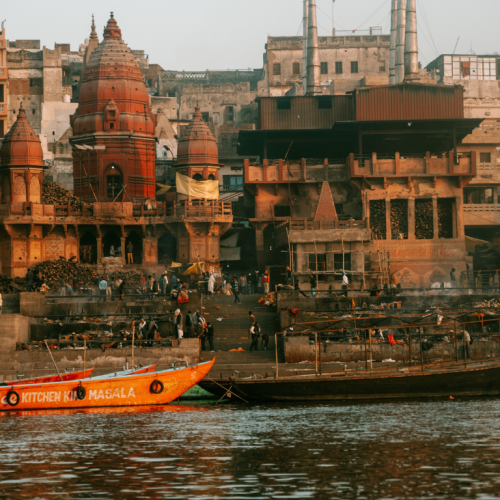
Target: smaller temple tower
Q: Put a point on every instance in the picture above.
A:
(201, 221)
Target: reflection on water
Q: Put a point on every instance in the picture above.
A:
(431, 449)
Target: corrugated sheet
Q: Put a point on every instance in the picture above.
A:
(304, 112)
(409, 102)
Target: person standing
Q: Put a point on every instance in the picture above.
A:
(312, 281)
(265, 281)
(121, 290)
(288, 276)
(189, 325)
(163, 284)
(173, 282)
(29, 278)
(178, 323)
(453, 278)
(62, 287)
(345, 282)
(130, 253)
(236, 290)
(203, 336)
(251, 319)
(243, 284)
(265, 337)
(141, 331)
(210, 336)
(256, 282)
(254, 335)
(466, 345)
(211, 283)
(103, 285)
(250, 285)
(152, 328)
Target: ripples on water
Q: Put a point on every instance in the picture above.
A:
(435, 449)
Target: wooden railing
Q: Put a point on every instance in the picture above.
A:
(29, 209)
(203, 209)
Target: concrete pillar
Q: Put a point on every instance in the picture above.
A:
(460, 227)
(99, 250)
(435, 217)
(388, 228)
(411, 218)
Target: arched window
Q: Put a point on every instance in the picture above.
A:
(197, 177)
(114, 181)
(211, 177)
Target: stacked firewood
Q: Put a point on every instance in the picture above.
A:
(377, 219)
(445, 218)
(13, 285)
(399, 218)
(424, 220)
(54, 194)
(56, 269)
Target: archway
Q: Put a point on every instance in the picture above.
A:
(197, 177)
(113, 179)
(136, 242)
(111, 239)
(167, 248)
(88, 248)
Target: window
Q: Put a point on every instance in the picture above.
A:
(33, 111)
(232, 182)
(324, 68)
(354, 67)
(338, 68)
(111, 126)
(324, 102)
(296, 68)
(276, 69)
(342, 262)
(317, 262)
(205, 115)
(284, 103)
(382, 66)
(1, 107)
(1, 71)
(36, 82)
(2, 93)
(229, 114)
(171, 94)
(114, 185)
(485, 157)
(282, 211)
(498, 69)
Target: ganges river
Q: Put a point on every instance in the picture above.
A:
(425, 449)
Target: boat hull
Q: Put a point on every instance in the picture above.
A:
(476, 380)
(130, 390)
(67, 376)
(218, 389)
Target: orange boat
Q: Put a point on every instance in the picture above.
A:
(51, 378)
(157, 388)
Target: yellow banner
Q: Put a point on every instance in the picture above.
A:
(207, 190)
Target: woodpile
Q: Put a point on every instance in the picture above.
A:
(399, 219)
(424, 221)
(445, 218)
(131, 277)
(54, 194)
(377, 219)
(53, 270)
(13, 285)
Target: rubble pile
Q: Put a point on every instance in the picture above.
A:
(424, 220)
(53, 270)
(377, 219)
(54, 194)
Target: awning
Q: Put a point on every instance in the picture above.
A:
(230, 242)
(207, 190)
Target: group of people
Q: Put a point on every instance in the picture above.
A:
(243, 284)
(194, 326)
(255, 332)
(36, 281)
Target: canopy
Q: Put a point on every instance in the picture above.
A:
(207, 190)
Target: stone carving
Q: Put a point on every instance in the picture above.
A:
(19, 185)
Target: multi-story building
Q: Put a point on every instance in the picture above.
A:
(4, 75)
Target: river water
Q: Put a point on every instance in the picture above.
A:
(425, 449)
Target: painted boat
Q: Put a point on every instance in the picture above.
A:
(154, 388)
(67, 376)
(444, 380)
(124, 373)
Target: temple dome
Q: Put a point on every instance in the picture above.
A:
(21, 146)
(112, 74)
(197, 145)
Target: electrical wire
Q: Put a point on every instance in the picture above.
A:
(330, 17)
(366, 20)
(422, 9)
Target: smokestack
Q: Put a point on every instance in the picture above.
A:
(411, 43)
(392, 54)
(304, 47)
(400, 41)
(313, 67)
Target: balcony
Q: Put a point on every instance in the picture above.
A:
(428, 165)
(481, 214)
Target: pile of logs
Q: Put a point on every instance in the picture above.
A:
(424, 220)
(131, 277)
(399, 218)
(53, 270)
(13, 285)
(445, 218)
(54, 194)
(377, 219)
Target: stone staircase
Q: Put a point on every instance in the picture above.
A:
(232, 333)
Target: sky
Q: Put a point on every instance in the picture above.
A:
(231, 34)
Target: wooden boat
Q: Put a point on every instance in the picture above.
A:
(446, 379)
(124, 373)
(153, 388)
(214, 387)
(67, 376)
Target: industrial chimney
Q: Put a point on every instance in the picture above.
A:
(313, 67)
(392, 54)
(400, 41)
(411, 43)
(304, 47)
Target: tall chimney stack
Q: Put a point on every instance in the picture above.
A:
(411, 42)
(400, 41)
(392, 54)
(304, 47)
(313, 67)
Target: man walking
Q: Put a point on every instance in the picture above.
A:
(236, 290)
(103, 285)
(312, 281)
(251, 319)
(130, 253)
(254, 335)
(250, 285)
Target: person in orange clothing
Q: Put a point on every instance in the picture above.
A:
(265, 282)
